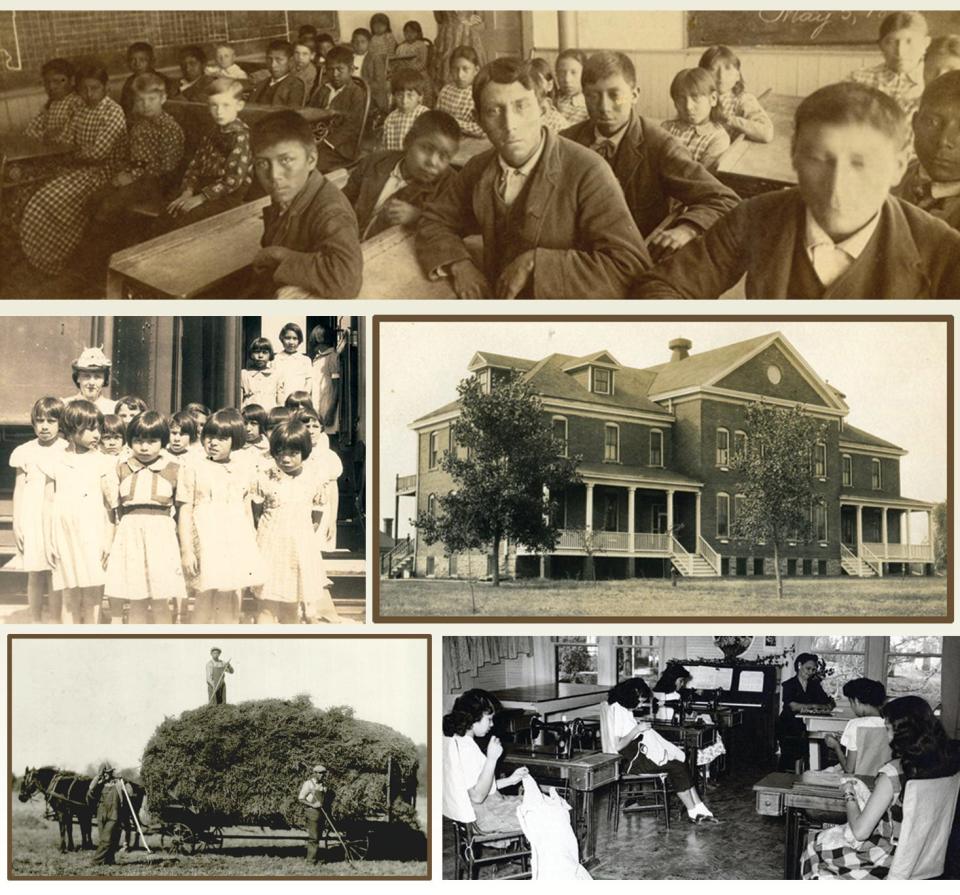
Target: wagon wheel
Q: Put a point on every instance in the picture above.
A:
(359, 846)
(183, 840)
(213, 839)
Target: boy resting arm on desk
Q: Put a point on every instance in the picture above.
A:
(310, 239)
(839, 234)
(337, 105)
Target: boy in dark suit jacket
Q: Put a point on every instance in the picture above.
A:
(391, 188)
(839, 234)
(652, 166)
(552, 215)
(932, 181)
(338, 105)
(283, 87)
(311, 248)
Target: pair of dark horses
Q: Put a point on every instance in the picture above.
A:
(69, 795)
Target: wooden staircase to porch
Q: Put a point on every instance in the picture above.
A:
(856, 566)
(705, 563)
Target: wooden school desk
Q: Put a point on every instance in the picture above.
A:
(17, 149)
(753, 168)
(551, 699)
(819, 725)
(786, 794)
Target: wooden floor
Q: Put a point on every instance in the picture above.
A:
(744, 846)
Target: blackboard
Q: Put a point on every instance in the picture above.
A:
(29, 38)
(799, 27)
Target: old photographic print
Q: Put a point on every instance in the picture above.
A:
(638, 468)
(192, 470)
(360, 154)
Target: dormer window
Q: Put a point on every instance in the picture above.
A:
(602, 380)
(483, 377)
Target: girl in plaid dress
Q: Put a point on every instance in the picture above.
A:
(56, 216)
(863, 847)
(570, 99)
(740, 112)
(51, 123)
(456, 97)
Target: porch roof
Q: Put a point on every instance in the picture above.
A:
(616, 473)
(853, 435)
(896, 503)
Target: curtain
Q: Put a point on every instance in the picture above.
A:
(463, 654)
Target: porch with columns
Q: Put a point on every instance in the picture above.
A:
(870, 543)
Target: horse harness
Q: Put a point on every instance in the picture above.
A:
(65, 787)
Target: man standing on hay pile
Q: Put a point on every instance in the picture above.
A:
(311, 796)
(107, 789)
(217, 672)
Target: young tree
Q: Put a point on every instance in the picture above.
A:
(776, 478)
(505, 465)
(940, 536)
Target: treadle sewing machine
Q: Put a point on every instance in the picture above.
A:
(563, 734)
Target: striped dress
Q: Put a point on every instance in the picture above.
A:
(836, 854)
(57, 214)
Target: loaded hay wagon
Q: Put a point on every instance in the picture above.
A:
(220, 767)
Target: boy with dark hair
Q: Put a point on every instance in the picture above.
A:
(904, 38)
(839, 234)
(943, 55)
(932, 181)
(283, 87)
(552, 215)
(311, 247)
(194, 83)
(140, 61)
(338, 105)
(652, 166)
(407, 87)
(391, 188)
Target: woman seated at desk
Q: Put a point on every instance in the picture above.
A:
(466, 768)
(643, 751)
(801, 693)
(864, 846)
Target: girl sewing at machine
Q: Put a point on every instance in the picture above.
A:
(672, 686)
(465, 762)
(643, 751)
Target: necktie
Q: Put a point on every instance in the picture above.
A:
(829, 262)
(607, 150)
(511, 182)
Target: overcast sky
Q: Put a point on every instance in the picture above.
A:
(893, 374)
(82, 701)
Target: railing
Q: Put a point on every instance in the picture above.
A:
(681, 558)
(847, 554)
(617, 541)
(709, 554)
(871, 559)
(649, 541)
(397, 554)
(571, 539)
(901, 552)
(611, 540)
(406, 484)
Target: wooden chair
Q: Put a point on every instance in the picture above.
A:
(633, 792)
(928, 810)
(873, 750)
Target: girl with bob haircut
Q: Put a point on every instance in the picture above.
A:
(145, 566)
(184, 445)
(864, 846)
(293, 368)
(112, 436)
(866, 699)
(255, 425)
(259, 380)
(218, 543)
(77, 529)
(467, 767)
(291, 499)
(29, 460)
(643, 751)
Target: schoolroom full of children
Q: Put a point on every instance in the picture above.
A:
(701, 757)
(480, 155)
(182, 470)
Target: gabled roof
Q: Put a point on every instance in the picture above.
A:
(705, 367)
(489, 359)
(854, 435)
(600, 358)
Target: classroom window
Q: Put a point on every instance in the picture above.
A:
(656, 447)
(638, 657)
(845, 655)
(560, 433)
(819, 521)
(434, 453)
(913, 667)
(723, 447)
(611, 443)
(723, 515)
(847, 470)
(739, 445)
(576, 660)
(602, 381)
(820, 460)
(876, 474)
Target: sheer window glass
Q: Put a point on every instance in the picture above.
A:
(576, 660)
(638, 657)
(913, 667)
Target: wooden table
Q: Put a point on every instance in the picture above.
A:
(785, 794)
(551, 699)
(691, 737)
(587, 777)
(753, 168)
(818, 726)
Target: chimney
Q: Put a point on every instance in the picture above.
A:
(679, 349)
(387, 526)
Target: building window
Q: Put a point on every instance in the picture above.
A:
(434, 454)
(723, 447)
(819, 521)
(847, 471)
(913, 667)
(638, 657)
(876, 476)
(723, 515)
(739, 445)
(602, 381)
(560, 433)
(483, 377)
(611, 513)
(845, 655)
(576, 660)
(656, 447)
(432, 506)
(431, 565)
(820, 460)
(611, 443)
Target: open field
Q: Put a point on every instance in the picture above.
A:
(36, 853)
(701, 598)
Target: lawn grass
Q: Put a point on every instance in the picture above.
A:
(700, 598)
